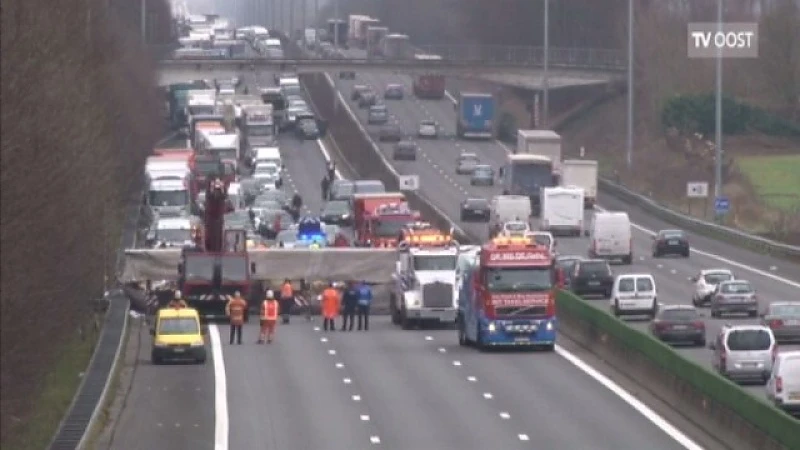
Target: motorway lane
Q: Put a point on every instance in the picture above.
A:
(289, 395)
(671, 274)
(418, 388)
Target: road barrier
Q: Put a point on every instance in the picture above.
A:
(712, 230)
(691, 388)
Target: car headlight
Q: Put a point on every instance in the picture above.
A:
(345, 216)
(492, 327)
(549, 326)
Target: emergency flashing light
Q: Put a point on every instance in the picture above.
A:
(507, 241)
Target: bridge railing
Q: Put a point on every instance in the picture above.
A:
(589, 58)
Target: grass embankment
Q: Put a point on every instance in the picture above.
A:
(775, 178)
(58, 389)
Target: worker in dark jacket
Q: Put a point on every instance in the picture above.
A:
(349, 305)
(324, 185)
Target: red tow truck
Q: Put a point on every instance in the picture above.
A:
(380, 217)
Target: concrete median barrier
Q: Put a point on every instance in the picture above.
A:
(704, 397)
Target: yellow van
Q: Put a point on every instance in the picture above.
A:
(178, 335)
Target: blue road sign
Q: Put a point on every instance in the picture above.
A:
(722, 205)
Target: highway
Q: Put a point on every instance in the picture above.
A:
(774, 279)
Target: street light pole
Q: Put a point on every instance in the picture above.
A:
(718, 118)
(336, 27)
(143, 18)
(629, 153)
(546, 75)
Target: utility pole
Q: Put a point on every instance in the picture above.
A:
(546, 75)
(143, 18)
(718, 118)
(629, 152)
(336, 27)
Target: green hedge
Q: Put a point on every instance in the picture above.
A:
(772, 421)
(696, 113)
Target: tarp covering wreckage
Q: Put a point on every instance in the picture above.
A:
(370, 265)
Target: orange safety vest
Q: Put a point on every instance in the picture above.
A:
(236, 309)
(330, 303)
(287, 290)
(269, 310)
(178, 304)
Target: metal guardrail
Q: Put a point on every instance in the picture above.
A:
(728, 234)
(589, 58)
(76, 427)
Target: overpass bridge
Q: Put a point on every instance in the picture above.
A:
(576, 65)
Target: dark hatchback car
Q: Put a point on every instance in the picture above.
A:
(567, 265)
(393, 92)
(592, 277)
(337, 212)
(670, 242)
(679, 324)
(367, 99)
(390, 133)
(475, 209)
(783, 318)
(405, 150)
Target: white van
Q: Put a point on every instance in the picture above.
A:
(267, 155)
(562, 210)
(634, 294)
(610, 236)
(507, 208)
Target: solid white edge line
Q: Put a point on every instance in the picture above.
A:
(628, 398)
(649, 232)
(221, 429)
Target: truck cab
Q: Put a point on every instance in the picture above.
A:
(508, 298)
(258, 125)
(380, 217)
(426, 285)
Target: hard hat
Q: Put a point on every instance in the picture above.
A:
(270, 294)
(237, 294)
(178, 295)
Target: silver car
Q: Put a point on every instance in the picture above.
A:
(783, 318)
(482, 175)
(744, 352)
(428, 129)
(732, 297)
(466, 163)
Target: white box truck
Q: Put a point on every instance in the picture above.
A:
(541, 142)
(562, 211)
(581, 173)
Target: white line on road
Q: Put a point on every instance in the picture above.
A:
(221, 429)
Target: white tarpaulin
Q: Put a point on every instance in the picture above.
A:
(371, 265)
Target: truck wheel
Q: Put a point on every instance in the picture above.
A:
(462, 333)
(404, 322)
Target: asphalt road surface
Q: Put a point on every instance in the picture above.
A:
(773, 278)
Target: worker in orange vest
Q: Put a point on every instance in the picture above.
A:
(236, 310)
(269, 317)
(178, 302)
(287, 299)
(330, 307)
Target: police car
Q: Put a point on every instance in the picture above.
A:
(311, 232)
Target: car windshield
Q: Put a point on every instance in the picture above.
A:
(169, 198)
(259, 130)
(716, 277)
(435, 262)
(369, 187)
(206, 167)
(177, 235)
(234, 269)
(482, 171)
(336, 207)
(749, 340)
(785, 310)
(519, 279)
(389, 227)
(477, 203)
(199, 268)
(542, 239)
(171, 326)
(269, 170)
(598, 268)
(736, 288)
(679, 315)
(468, 159)
(516, 226)
(672, 234)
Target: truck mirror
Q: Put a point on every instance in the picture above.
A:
(253, 268)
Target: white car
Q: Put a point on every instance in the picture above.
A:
(428, 129)
(705, 283)
(515, 228)
(544, 238)
(634, 294)
(783, 386)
